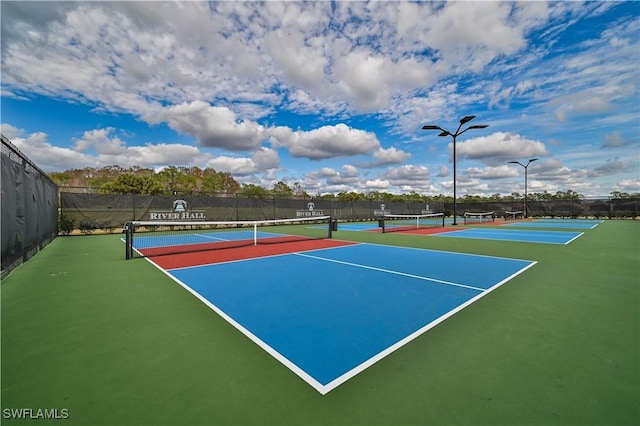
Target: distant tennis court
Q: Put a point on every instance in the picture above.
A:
(557, 223)
(526, 236)
(328, 314)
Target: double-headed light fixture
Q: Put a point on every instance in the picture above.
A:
(458, 132)
(526, 207)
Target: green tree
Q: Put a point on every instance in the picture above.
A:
(126, 183)
(250, 190)
(213, 181)
(130, 183)
(281, 189)
(350, 196)
(61, 178)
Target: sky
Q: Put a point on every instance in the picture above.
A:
(332, 96)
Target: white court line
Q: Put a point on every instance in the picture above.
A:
(255, 339)
(324, 389)
(357, 265)
(211, 238)
(552, 235)
(577, 236)
(504, 234)
(368, 363)
(249, 259)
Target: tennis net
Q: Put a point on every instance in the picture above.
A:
(485, 217)
(513, 215)
(156, 238)
(406, 222)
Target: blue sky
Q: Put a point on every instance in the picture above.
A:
(332, 95)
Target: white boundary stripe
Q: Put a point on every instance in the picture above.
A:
(324, 389)
(388, 271)
(505, 232)
(209, 237)
(277, 355)
(368, 363)
(557, 223)
(522, 233)
(576, 237)
(264, 257)
(432, 250)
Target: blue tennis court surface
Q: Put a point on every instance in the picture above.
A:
(558, 223)
(527, 236)
(329, 314)
(363, 226)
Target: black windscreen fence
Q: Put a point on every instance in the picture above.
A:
(90, 211)
(29, 207)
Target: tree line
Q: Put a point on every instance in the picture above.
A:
(180, 180)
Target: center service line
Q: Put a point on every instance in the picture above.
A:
(392, 272)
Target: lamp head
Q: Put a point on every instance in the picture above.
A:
(479, 126)
(430, 127)
(444, 133)
(467, 119)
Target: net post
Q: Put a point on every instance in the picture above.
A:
(128, 239)
(255, 234)
(443, 220)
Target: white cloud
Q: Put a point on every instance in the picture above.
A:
(361, 77)
(10, 131)
(407, 175)
(615, 140)
(215, 71)
(348, 176)
(498, 172)
(129, 56)
(108, 149)
(500, 147)
(153, 155)
(52, 158)
(377, 185)
(612, 167)
(302, 65)
(262, 161)
(100, 141)
(388, 156)
(325, 142)
(629, 185)
(213, 126)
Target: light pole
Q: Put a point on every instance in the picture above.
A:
(526, 167)
(463, 121)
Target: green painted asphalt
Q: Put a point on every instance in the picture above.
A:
(115, 342)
